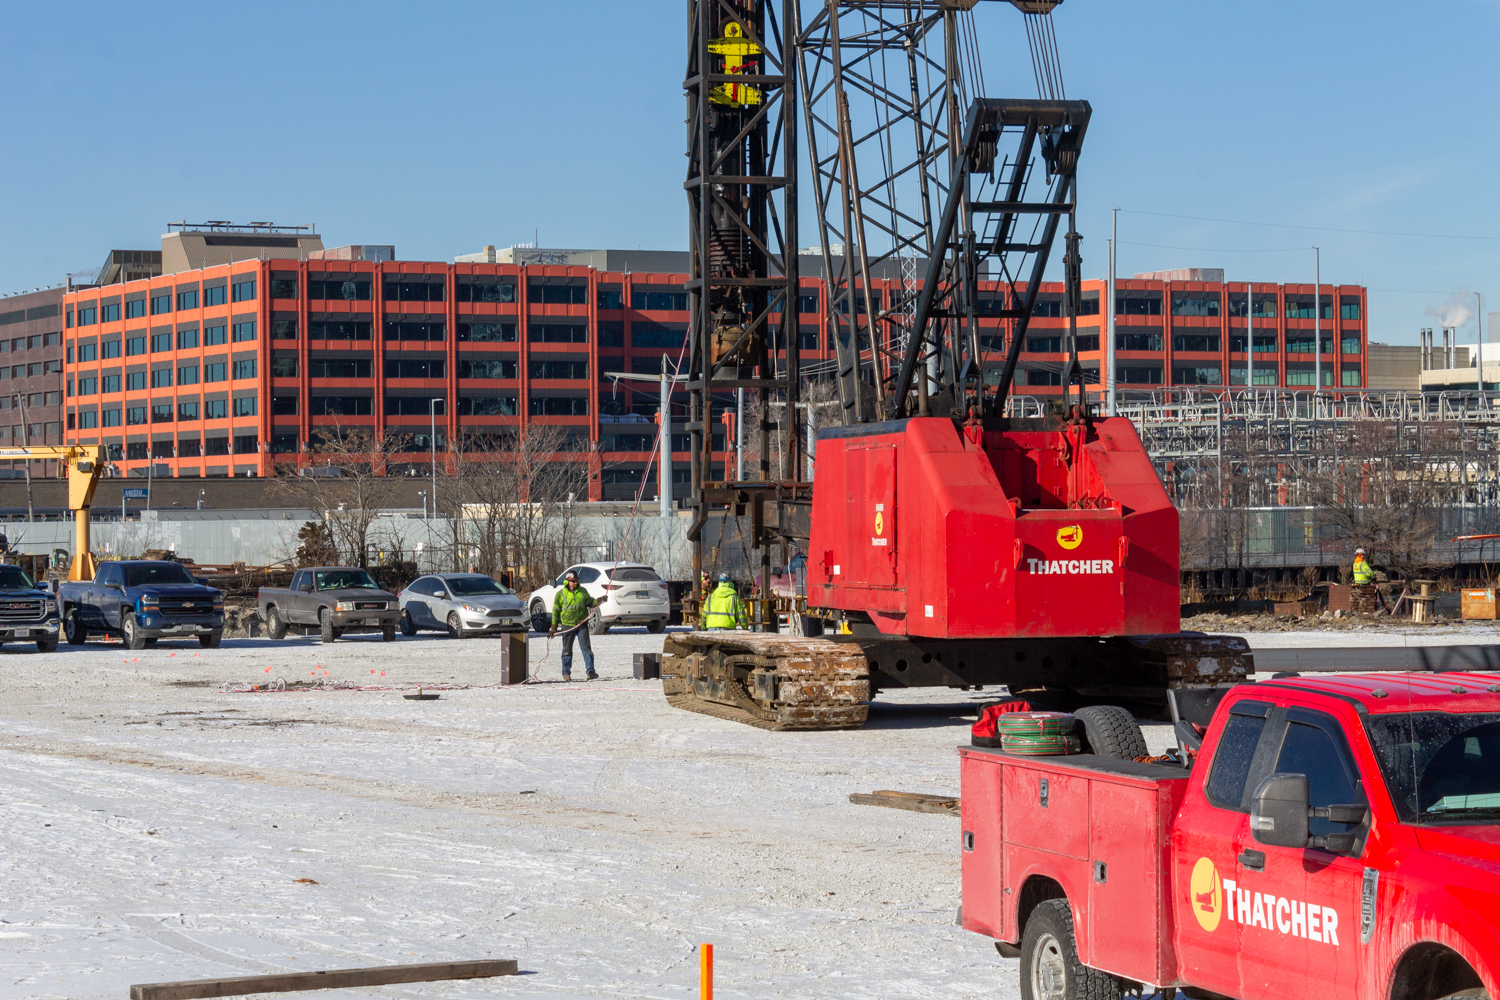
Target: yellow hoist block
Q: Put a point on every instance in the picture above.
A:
(736, 50)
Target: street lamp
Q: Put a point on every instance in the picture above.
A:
(432, 412)
(423, 495)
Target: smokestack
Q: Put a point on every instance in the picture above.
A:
(1426, 337)
(1447, 350)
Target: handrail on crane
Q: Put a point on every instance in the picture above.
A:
(83, 463)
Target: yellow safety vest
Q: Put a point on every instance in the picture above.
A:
(724, 609)
(1363, 574)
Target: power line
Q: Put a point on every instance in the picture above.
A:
(1163, 246)
(1317, 229)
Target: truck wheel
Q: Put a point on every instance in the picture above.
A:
(133, 638)
(74, 630)
(455, 626)
(212, 640)
(275, 624)
(540, 620)
(325, 625)
(387, 631)
(656, 626)
(1050, 969)
(47, 645)
(597, 624)
(1110, 731)
(408, 627)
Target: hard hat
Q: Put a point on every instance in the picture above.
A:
(570, 575)
(723, 577)
(1359, 552)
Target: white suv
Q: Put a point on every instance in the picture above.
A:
(628, 594)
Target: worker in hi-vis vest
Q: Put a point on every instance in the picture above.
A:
(1364, 573)
(724, 609)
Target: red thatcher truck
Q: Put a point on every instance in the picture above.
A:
(1336, 837)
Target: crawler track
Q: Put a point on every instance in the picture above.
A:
(766, 680)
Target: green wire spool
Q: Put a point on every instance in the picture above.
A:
(1041, 746)
(1035, 724)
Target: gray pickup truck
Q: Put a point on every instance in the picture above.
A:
(329, 601)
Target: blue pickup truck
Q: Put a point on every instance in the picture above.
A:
(142, 601)
(28, 612)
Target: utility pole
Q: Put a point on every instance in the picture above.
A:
(664, 468)
(20, 400)
(1249, 337)
(1318, 322)
(432, 412)
(739, 436)
(1109, 349)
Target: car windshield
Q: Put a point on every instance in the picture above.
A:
(15, 578)
(345, 579)
(473, 586)
(634, 574)
(147, 574)
(1440, 767)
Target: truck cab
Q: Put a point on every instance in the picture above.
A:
(141, 601)
(28, 611)
(1334, 837)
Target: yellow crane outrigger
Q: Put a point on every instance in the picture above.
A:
(83, 463)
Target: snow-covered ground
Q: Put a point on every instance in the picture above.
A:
(154, 827)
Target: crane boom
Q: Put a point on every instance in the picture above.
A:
(83, 464)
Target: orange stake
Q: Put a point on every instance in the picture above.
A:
(706, 972)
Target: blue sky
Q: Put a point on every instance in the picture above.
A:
(441, 128)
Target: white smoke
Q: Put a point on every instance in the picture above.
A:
(1457, 311)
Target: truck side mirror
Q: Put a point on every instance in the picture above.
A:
(1278, 813)
(306, 588)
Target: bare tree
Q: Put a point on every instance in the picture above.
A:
(347, 481)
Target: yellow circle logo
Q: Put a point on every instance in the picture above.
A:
(1207, 894)
(1070, 537)
(879, 523)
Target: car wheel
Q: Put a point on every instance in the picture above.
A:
(212, 640)
(1110, 731)
(455, 626)
(275, 624)
(408, 627)
(540, 620)
(47, 645)
(133, 638)
(74, 630)
(325, 625)
(1050, 969)
(657, 627)
(387, 631)
(597, 624)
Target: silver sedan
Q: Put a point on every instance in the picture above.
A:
(462, 604)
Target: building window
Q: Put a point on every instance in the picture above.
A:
(1301, 342)
(1304, 376)
(564, 295)
(69, 323)
(645, 300)
(70, 421)
(88, 386)
(135, 415)
(478, 290)
(1299, 308)
(655, 335)
(109, 313)
(216, 446)
(187, 299)
(216, 372)
(1349, 375)
(88, 316)
(1089, 306)
(187, 409)
(1195, 342)
(611, 334)
(1138, 304)
(1196, 304)
(186, 340)
(1264, 375)
(110, 349)
(349, 291)
(188, 447)
(112, 417)
(495, 333)
(161, 303)
(135, 381)
(243, 331)
(284, 406)
(161, 378)
(283, 444)
(559, 406)
(284, 367)
(807, 338)
(1348, 307)
(214, 335)
(807, 302)
(413, 331)
(244, 369)
(87, 352)
(242, 291)
(161, 413)
(284, 329)
(187, 375)
(1042, 309)
(216, 409)
(246, 444)
(1044, 345)
(611, 299)
(215, 296)
(51, 367)
(110, 383)
(282, 288)
(1349, 345)
(488, 406)
(339, 368)
(1263, 344)
(135, 451)
(1088, 342)
(1197, 375)
(244, 407)
(161, 342)
(554, 333)
(1138, 342)
(558, 369)
(1139, 375)
(414, 291)
(134, 346)
(395, 368)
(340, 406)
(412, 406)
(340, 331)
(88, 419)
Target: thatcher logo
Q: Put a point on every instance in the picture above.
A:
(879, 523)
(1207, 894)
(1070, 537)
